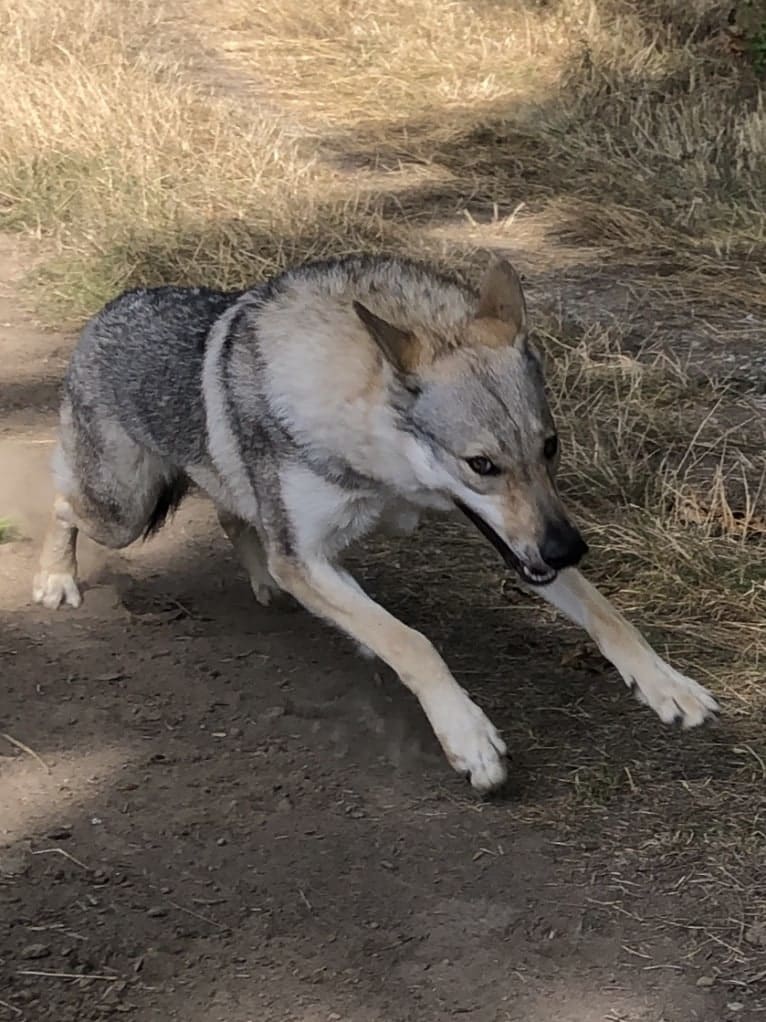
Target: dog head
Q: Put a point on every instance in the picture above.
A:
(482, 428)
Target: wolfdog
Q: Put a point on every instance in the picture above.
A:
(334, 398)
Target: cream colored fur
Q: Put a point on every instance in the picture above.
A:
(344, 398)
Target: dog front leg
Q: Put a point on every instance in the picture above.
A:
(468, 738)
(670, 694)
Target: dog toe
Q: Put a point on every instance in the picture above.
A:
(55, 589)
(675, 698)
(470, 741)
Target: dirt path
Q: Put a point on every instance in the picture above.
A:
(227, 816)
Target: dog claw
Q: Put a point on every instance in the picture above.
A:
(56, 588)
(675, 698)
(470, 741)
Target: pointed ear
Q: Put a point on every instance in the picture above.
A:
(399, 347)
(501, 297)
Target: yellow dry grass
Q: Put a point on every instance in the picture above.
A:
(194, 142)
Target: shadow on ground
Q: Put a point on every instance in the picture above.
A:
(236, 818)
(213, 812)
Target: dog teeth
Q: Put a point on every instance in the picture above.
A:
(535, 576)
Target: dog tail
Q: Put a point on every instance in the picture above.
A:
(172, 493)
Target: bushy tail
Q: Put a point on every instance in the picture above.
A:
(171, 495)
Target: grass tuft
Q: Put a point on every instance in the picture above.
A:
(8, 531)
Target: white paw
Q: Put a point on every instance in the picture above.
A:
(672, 696)
(54, 588)
(469, 739)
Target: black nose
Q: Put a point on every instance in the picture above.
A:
(562, 546)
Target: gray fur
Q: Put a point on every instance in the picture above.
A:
(137, 374)
(337, 397)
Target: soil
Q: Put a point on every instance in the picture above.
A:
(214, 811)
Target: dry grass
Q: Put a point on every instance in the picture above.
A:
(217, 144)
(677, 465)
(194, 142)
(8, 531)
(136, 175)
(223, 144)
(553, 106)
(199, 142)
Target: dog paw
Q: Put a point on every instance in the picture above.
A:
(470, 741)
(673, 697)
(53, 589)
(264, 594)
(268, 594)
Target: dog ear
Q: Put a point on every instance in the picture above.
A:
(399, 347)
(501, 298)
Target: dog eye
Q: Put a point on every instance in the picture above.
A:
(483, 466)
(551, 448)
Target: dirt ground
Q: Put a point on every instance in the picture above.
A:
(213, 811)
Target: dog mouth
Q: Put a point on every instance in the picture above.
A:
(533, 576)
(537, 578)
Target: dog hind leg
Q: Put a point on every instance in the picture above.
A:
(249, 549)
(56, 581)
(108, 487)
